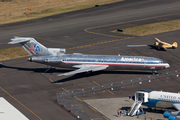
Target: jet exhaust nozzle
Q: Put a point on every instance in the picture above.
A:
(29, 59)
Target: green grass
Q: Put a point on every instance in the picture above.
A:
(45, 13)
(12, 53)
(154, 28)
(29, 15)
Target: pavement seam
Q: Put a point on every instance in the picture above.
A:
(93, 44)
(85, 83)
(44, 39)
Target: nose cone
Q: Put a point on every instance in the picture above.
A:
(167, 66)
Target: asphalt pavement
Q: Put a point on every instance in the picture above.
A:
(86, 31)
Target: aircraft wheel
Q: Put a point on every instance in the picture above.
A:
(149, 109)
(88, 73)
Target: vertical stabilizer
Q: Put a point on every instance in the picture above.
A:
(31, 46)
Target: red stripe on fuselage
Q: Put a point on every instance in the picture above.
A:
(152, 65)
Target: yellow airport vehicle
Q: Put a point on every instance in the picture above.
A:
(163, 45)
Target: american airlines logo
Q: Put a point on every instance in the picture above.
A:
(35, 48)
(132, 59)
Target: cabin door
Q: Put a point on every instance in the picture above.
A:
(143, 97)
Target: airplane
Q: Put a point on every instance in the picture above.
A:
(56, 57)
(163, 45)
(156, 99)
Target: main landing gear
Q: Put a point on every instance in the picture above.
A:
(47, 69)
(154, 72)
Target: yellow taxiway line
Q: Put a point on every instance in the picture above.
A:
(20, 103)
(93, 109)
(107, 90)
(51, 80)
(96, 83)
(110, 92)
(78, 98)
(65, 90)
(105, 117)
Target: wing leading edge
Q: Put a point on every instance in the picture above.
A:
(85, 68)
(177, 106)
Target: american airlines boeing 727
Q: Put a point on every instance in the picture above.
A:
(85, 63)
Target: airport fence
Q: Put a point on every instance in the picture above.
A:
(72, 109)
(114, 86)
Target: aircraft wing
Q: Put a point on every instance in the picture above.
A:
(85, 68)
(165, 46)
(163, 43)
(177, 106)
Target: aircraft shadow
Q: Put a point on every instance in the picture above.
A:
(82, 75)
(155, 110)
(76, 76)
(38, 70)
(125, 108)
(153, 47)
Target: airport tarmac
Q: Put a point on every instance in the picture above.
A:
(108, 102)
(109, 108)
(32, 92)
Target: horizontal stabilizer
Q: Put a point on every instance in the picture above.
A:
(33, 47)
(85, 68)
(19, 40)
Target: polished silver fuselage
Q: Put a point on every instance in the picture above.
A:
(122, 62)
(84, 63)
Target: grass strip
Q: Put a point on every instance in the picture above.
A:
(12, 53)
(20, 10)
(153, 28)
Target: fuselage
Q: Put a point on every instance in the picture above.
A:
(123, 62)
(158, 98)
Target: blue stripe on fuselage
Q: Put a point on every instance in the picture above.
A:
(153, 102)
